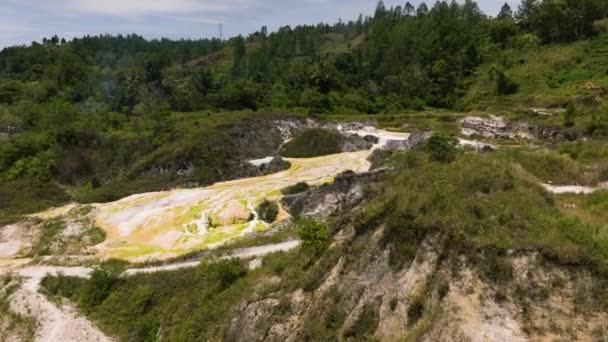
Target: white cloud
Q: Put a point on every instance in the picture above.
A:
(142, 8)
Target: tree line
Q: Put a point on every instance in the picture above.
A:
(80, 112)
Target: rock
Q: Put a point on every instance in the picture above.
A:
(354, 142)
(252, 320)
(371, 138)
(495, 127)
(255, 264)
(547, 111)
(487, 148)
(591, 86)
(277, 164)
(412, 141)
(233, 213)
(345, 192)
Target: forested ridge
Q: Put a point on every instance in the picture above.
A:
(86, 119)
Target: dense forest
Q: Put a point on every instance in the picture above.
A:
(81, 119)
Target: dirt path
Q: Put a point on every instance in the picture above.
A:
(242, 253)
(63, 323)
(54, 323)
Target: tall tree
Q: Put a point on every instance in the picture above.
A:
(525, 10)
(238, 55)
(505, 12)
(422, 10)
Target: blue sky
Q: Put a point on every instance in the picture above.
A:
(22, 21)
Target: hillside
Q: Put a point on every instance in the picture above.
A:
(419, 174)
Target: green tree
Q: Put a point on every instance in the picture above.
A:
(100, 284)
(222, 274)
(569, 115)
(238, 55)
(505, 12)
(525, 11)
(504, 85)
(313, 235)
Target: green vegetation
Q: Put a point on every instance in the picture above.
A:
(268, 211)
(477, 200)
(442, 148)
(51, 239)
(48, 237)
(557, 168)
(314, 235)
(591, 209)
(313, 143)
(13, 325)
(477, 206)
(295, 189)
(137, 307)
(101, 117)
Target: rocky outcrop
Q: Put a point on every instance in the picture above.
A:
(354, 142)
(345, 192)
(435, 297)
(497, 127)
(412, 141)
(382, 153)
(235, 212)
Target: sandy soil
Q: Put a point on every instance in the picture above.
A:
(13, 238)
(54, 323)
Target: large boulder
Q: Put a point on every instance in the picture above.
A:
(495, 127)
(355, 142)
(235, 212)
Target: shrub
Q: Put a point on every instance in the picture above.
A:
(497, 268)
(100, 285)
(415, 310)
(314, 236)
(504, 85)
(268, 211)
(569, 115)
(442, 148)
(224, 273)
(59, 286)
(295, 189)
(600, 26)
(313, 143)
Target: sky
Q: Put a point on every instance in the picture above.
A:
(24, 21)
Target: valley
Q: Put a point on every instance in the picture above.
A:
(421, 172)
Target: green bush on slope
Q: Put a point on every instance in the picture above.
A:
(483, 204)
(313, 143)
(482, 199)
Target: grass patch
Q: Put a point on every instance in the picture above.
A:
(479, 200)
(49, 243)
(552, 167)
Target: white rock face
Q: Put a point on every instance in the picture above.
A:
(494, 127)
(384, 137)
(260, 162)
(573, 189)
